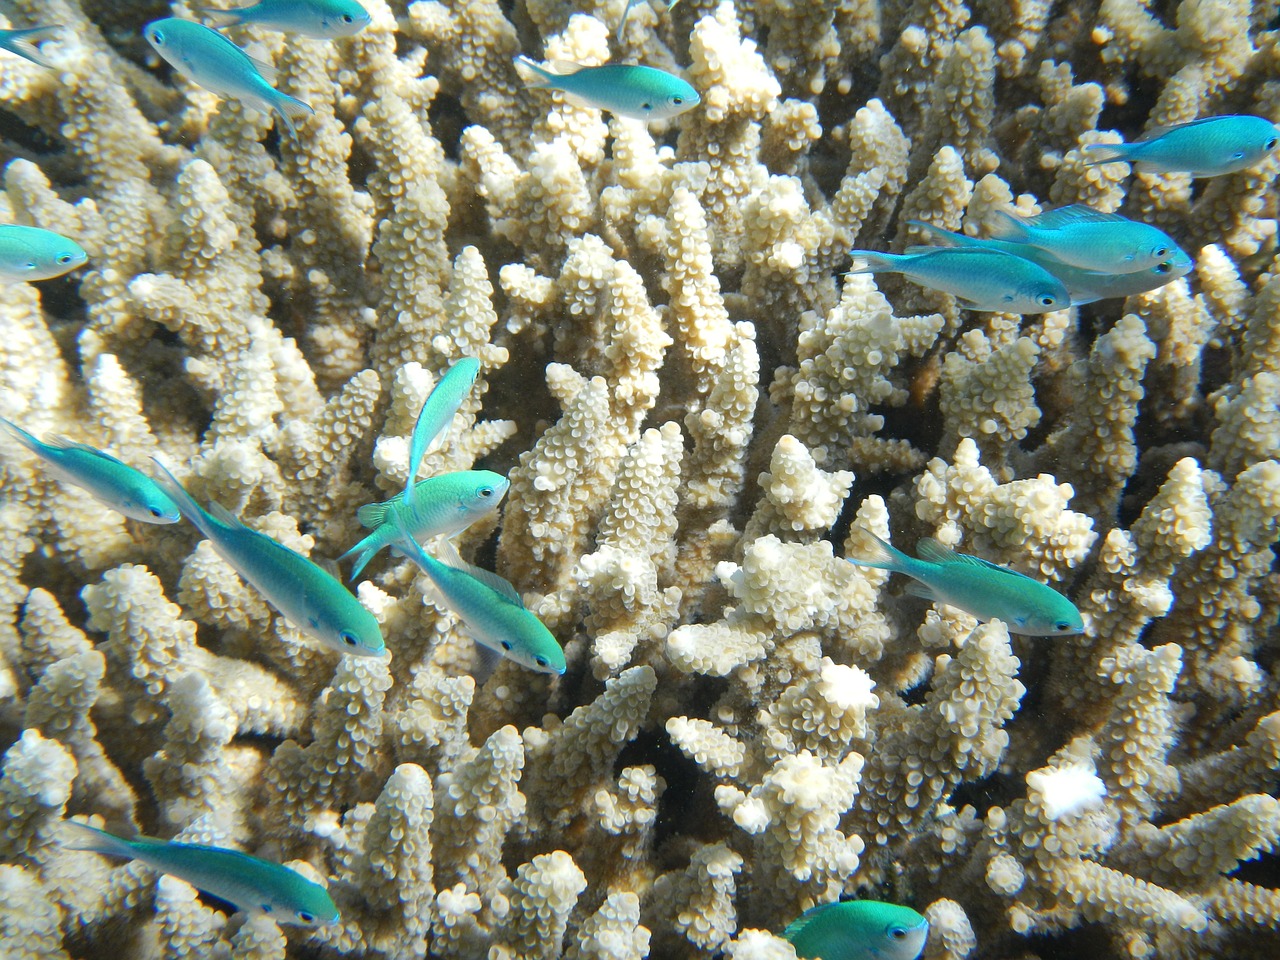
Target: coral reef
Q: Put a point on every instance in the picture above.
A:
(695, 411)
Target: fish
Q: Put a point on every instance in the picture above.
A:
(488, 606)
(29, 253)
(437, 412)
(626, 12)
(323, 19)
(1085, 286)
(440, 506)
(1208, 147)
(858, 930)
(1090, 239)
(106, 479)
(24, 43)
(308, 596)
(624, 89)
(978, 587)
(249, 883)
(979, 279)
(206, 57)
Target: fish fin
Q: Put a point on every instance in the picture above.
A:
(1107, 152)
(1074, 213)
(81, 836)
(450, 557)
(535, 77)
(23, 43)
(328, 566)
(1009, 227)
(59, 442)
(21, 436)
(265, 68)
(289, 109)
(626, 12)
(486, 661)
(915, 588)
(364, 551)
(931, 550)
(918, 248)
(187, 506)
(373, 515)
(564, 68)
(220, 18)
(967, 304)
(946, 238)
(871, 261)
(879, 554)
(225, 516)
(792, 930)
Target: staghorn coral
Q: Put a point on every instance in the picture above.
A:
(699, 418)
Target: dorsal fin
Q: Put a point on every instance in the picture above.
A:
(372, 515)
(564, 68)
(931, 550)
(448, 555)
(1074, 213)
(59, 442)
(225, 516)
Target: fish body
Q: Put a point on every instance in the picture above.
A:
(438, 410)
(1084, 286)
(1091, 240)
(324, 19)
(626, 12)
(1208, 147)
(980, 279)
(206, 57)
(858, 930)
(24, 43)
(29, 253)
(980, 588)
(250, 883)
(107, 480)
(310, 597)
(625, 89)
(493, 612)
(440, 506)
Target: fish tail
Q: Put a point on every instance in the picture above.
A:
(364, 551)
(1005, 226)
(185, 503)
(534, 76)
(220, 18)
(879, 554)
(870, 261)
(23, 43)
(81, 836)
(626, 12)
(946, 238)
(20, 435)
(1107, 152)
(289, 109)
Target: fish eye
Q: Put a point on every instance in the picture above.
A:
(897, 933)
(540, 661)
(306, 917)
(1062, 626)
(65, 258)
(349, 638)
(1271, 144)
(155, 512)
(506, 645)
(266, 908)
(348, 18)
(677, 100)
(1163, 267)
(1162, 252)
(1048, 301)
(486, 492)
(157, 38)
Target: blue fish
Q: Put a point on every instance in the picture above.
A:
(437, 412)
(858, 930)
(24, 43)
(323, 19)
(1208, 147)
(625, 89)
(29, 254)
(1090, 239)
(626, 12)
(978, 279)
(107, 480)
(206, 57)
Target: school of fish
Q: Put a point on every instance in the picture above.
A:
(1057, 259)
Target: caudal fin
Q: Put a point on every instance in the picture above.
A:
(364, 551)
(1005, 226)
(874, 552)
(219, 18)
(534, 76)
(23, 43)
(20, 435)
(81, 836)
(1106, 152)
(290, 109)
(869, 261)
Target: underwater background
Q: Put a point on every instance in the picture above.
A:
(698, 415)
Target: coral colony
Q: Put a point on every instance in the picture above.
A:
(640, 703)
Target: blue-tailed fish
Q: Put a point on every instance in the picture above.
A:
(310, 597)
(116, 484)
(437, 412)
(25, 43)
(206, 57)
(489, 606)
(625, 89)
(985, 590)
(440, 506)
(858, 930)
(1090, 239)
(249, 883)
(29, 253)
(979, 279)
(626, 12)
(325, 19)
(1208, 147)
(1085, 286)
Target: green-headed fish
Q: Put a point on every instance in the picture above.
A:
(986, 591)
(116, 484)
(438, 410)
(325, 19)
(979, 279)
(206, 57)
(249, 883)
(1208, 147)
(440, 506)
(626, 12)
(1089, 239)
(24, 43)
(625, 89)
(1085, 286)
(490, 608)
(29, 253)
(858, 930)
(310, 597)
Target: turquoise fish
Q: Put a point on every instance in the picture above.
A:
(310, 597)
(29, 253)
(858, 930)
(626, 12)
(107, 480)
(489, 606)
(249, 883)
(24, 43)
(206, 57)
(440, 506)
(325, 19)
(1208, 147)
(1090, 239)
(437, 412)
(1085, 286)
(625, 89)
(979, 279)
(985, 590)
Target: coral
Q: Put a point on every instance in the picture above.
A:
(701, 418)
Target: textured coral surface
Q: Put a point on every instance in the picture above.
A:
(699, 417)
